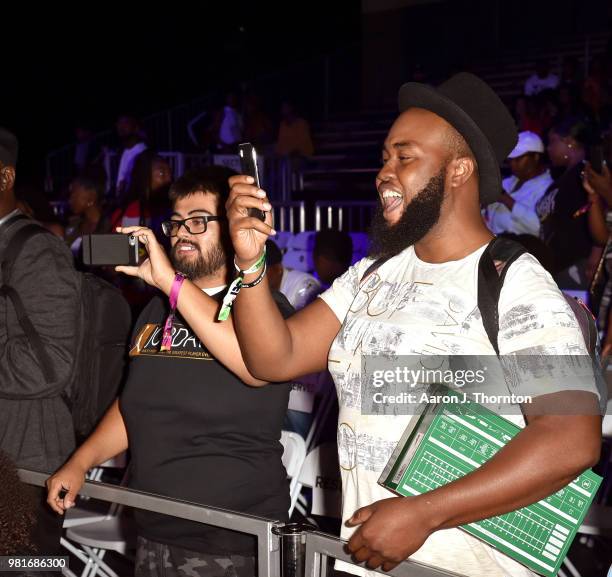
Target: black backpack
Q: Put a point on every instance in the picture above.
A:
(103, 331)
(504, 252)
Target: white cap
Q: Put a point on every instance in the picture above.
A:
(527, 142)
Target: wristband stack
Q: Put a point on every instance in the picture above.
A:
(238, 283)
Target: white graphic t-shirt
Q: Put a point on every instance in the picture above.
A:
(411, 307)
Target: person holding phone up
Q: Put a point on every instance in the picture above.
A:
(199, 425)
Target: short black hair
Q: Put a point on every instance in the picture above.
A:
(213, 179)
(336, 245)
(8, 148)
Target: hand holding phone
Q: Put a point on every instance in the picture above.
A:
(248, 164)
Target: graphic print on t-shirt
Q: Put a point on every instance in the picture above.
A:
(184, 343)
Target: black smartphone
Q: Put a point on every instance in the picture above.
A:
(248, 166)
(110, 249)
(596, 158)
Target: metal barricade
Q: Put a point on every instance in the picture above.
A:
(283, 550)
(268, 553)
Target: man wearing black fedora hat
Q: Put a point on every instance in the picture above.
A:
(416, 294)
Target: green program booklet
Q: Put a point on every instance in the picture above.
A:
(448, 441)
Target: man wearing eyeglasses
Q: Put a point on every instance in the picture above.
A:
(200, 427)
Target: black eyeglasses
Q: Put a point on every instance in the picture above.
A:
(193, 225)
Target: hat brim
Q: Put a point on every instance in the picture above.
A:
(521, 152)
(416, 95)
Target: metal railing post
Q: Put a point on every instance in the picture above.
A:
(293, 548)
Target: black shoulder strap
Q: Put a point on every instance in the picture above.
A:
(16, 243)
(373, 267)
(492, 269)
(12, 251)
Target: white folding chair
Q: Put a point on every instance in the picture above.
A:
(282, 238)
(294, 454)
(299, 254)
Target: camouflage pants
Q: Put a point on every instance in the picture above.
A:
(159, 560)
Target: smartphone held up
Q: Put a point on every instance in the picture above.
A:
(110, 250)
(248, 166)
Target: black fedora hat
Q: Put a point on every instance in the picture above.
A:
(471, 107)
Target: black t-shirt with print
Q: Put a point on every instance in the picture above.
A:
(566, 235)
(198, 433)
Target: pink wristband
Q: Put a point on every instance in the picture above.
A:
(174, 293)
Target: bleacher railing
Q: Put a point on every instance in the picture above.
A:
(290, 216)
(350, 216)
(310, 562)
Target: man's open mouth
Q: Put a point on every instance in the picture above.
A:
(391, 200)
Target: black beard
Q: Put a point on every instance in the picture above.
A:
(200, 267)
(418, 218)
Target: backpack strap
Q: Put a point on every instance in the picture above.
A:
(373, 267)
(492, 268)
(11, 253)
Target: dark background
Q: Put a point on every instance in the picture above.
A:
(86, 64)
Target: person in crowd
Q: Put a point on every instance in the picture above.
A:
(231, 125)
(563, 208)
(146, 201)
(333, 252)
(417, 293)
(515, 211)
(132, 142)
(526, 115)
(36, 429)
(596, 93)
(257, 125)
(299, 287)
(294, 138)
(198, 425)
(598, 185)
(146, 204)
(86, 151)
(86, 198)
